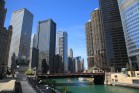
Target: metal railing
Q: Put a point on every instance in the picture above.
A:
(40, 88)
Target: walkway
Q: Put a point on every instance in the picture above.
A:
(26, 88)
(7, 86)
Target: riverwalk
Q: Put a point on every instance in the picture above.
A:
(7, 86)
(126, 85)
(26, 88)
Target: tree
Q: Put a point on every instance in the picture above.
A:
(45, 67)
(28, 72)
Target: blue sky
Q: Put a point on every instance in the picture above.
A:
(69, 15)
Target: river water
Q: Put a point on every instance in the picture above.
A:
(75, 86)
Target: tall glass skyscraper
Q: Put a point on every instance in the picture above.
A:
(129, 10)
(46, 38)
(21, 22)
(34, 52)
(71, 65)
(70, 53)
(116, 53)
(79, 64)
(62, 47)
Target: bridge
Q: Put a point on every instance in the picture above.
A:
(98, 77)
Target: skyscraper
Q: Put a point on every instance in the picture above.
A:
(46, 38)
(62, 48)
(70, 53)
(129, 10)
(58, 65)
(34, 52)
(79, 64)
(2, 12)
(5, 36)
(89, 44)
(98, 39)
(116, 54)
(21, 21)
(71, 62)
(82, 65)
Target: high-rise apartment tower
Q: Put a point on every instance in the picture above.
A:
(89, 44)
(98, 40)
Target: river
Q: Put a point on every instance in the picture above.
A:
(75, 86)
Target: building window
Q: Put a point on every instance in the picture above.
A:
(137, 74)
(116, 80)
(115, 76)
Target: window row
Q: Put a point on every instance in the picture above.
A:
(130, 8)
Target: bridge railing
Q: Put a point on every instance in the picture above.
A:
(71, 74)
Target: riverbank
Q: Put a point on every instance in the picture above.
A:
(126, 85)
(76, 86)
(98, 89)
(122, 79)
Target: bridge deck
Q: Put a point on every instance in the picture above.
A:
(72, 75)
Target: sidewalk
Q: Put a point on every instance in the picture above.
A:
(26, 88)
(7, 86)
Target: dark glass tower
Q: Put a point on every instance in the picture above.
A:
(116, 53)
(46, 43)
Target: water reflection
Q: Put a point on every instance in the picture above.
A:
(75, 86)
(99, 89)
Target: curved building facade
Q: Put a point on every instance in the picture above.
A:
(129, 11)
(89, 44)
(98, 39)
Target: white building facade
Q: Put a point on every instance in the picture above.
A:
(62, 47)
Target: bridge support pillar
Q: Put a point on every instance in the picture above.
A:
(99, 79)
